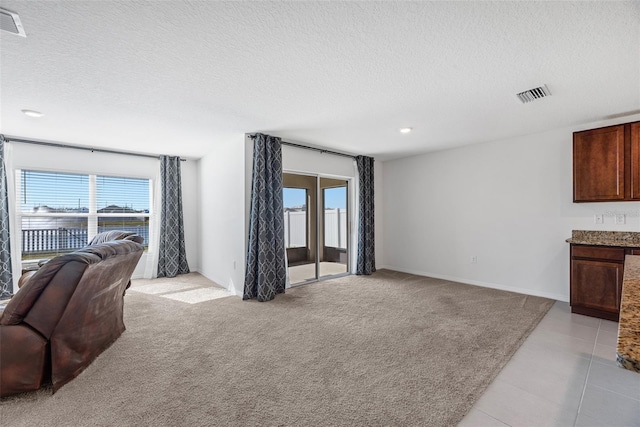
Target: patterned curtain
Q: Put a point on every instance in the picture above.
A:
(266, 266)
(172, 258)
(366, 263)
(6, 278)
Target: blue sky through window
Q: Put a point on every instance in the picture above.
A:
(294, 197)
(334, 197)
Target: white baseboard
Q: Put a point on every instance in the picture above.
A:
(525, 291)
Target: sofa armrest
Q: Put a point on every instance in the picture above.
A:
(23, 359)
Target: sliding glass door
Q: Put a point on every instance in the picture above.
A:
(316, 227)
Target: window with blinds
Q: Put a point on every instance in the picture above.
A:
(61, 212)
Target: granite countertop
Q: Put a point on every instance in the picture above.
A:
(628, 352)
(627, 239)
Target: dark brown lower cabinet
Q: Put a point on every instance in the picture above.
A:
(596, 280)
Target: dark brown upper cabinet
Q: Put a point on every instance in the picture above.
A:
(606, 164)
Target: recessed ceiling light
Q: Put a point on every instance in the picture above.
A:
(32, 113)
(405, 130)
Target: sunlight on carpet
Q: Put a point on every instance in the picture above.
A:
(191, 292)
(160, 288)
(198, 295)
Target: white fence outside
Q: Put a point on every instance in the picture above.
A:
(295, 229)
(335, 228)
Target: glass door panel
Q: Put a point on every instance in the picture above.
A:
(299, 197)
(334, 253)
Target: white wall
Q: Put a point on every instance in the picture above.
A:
(222, 218)
(29, 156)
(508, 203)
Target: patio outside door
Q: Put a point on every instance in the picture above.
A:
(316, 227)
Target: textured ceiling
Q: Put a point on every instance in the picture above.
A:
(177, 77)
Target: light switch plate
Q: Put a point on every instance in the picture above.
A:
(620, 218)
(599, 218)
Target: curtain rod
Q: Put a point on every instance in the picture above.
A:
(79, 147)
(322, 150)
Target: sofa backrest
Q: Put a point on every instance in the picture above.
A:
(108, 236)
(54, 282)
(43, 300)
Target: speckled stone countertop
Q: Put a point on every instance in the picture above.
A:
(628, 239)
(628, 352)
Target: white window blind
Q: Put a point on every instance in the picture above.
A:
(47, 192)
(122, 195)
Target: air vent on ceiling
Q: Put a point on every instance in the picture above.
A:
(10, 22)
(533, 94)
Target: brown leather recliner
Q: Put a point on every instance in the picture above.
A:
(105, 236)
(66, 314)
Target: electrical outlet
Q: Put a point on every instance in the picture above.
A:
(599, 218)
(620, 218)
(474, 259)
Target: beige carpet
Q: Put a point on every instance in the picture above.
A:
(389, 349)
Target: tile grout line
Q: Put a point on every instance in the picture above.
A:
(491, 416)
(544, 398)
(616, 393)
(586, 379)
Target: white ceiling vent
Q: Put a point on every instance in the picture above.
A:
(10, 22)
(533, 94)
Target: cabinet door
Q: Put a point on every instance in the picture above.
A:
(635, 160)
(596, 284)
(598, 164)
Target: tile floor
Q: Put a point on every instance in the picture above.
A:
(563, 375)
